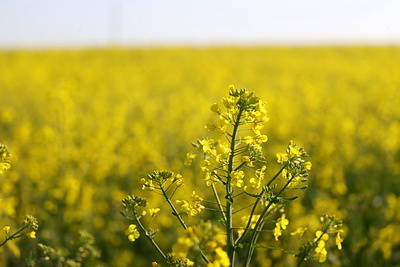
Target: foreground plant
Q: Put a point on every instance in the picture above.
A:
(29, 225)
(234, 170)
(28, 228)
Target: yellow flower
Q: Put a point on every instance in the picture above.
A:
(147, 184)
(215, 108)
(299, 231)
(132, 233)
(155, 264)
(229, 101)
(248, 139)
(246, 159)
(294, 149)
(181, 247)
(279, 225)
(262, 138)
(31, 234)
(307, 165)
(237, 178)
(320, 249)
(284, 221)
(253, 222)
(282, 157)
(189, 158)
(208, 146)
(321, 252)
(255, 183)
(318, 234)
(6, 229)
(222, 257)
(339, 240)
(277, 231)
(189, 262)
(154, 211)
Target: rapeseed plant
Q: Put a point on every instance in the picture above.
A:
(29, 224)
(233, 168)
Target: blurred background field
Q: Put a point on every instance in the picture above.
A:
(84, 125)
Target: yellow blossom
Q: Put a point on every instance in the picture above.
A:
(318, 234)
(253, 222)
(280, 224)
(277, 231)
(189, 158)
(215, 108)
(284, 222)
(246, 159)
(222, 258)
(147, 184)
(6, 229)
(262, 138)
(320, 249)
(181, 247)
(31, 234)
(237, 178)
(299, 231)
(294, 149)
(307, 165)
(248, 139)
(282, 157)
(339, 240)
(132, 233)
(208, 146)
(154, 211)
(321, 252)
(178, 179)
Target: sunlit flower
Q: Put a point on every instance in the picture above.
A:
(132, 233)
(31, 234)
(339, 240)
(280, 225)
(299, 231)
(307, 165)
(215, 108)
(282, 157)
(154, 211)
(6, 229)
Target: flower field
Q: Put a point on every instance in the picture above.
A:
(84, 126)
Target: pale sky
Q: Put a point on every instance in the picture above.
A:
(63, 23)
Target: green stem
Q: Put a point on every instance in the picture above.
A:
(220, 207)
(260, 224)
(149, 237)
(302, 259)
(229, 201)
(5, 241)
(14, 236)
(239, 240)
(175, 212)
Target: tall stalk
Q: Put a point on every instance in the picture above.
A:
(229, 191)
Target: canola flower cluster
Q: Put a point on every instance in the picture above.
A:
(228, 159)
(79, 131)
